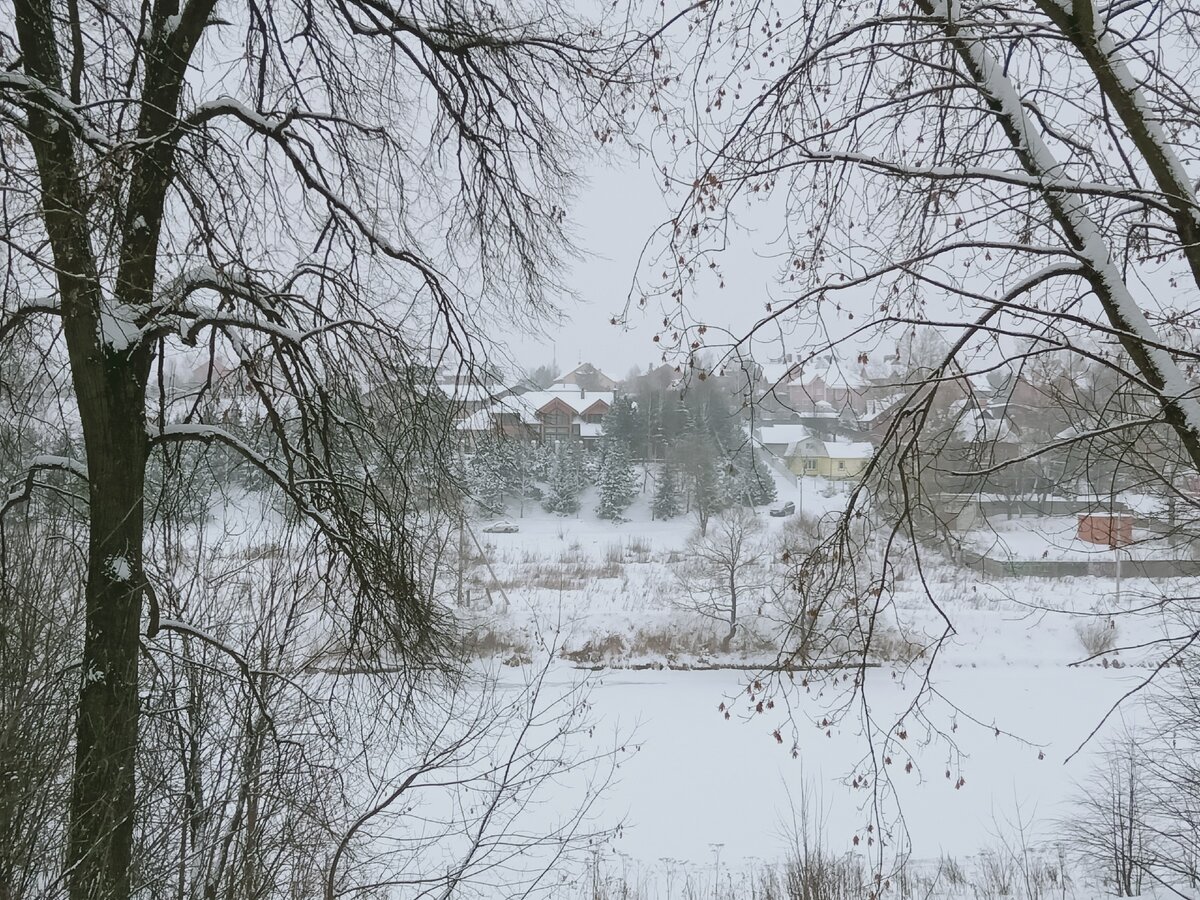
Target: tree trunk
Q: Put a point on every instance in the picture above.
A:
(102, 797)
(733, 610)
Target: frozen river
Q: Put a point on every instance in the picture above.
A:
(699, 782)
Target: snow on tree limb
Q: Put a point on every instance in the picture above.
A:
(22, 489)
(1177, 392)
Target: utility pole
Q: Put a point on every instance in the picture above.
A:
(1117, 554)
(524, 475)
(462, 553)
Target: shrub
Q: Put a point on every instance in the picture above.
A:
(1097, 635)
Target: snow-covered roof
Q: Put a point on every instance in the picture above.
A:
(776, 372)
(976, 427)
(585, 372)
(471, 392)
(526, 407)
(980, 383)
(572, 396)
(849, 449)
(484, 419)
(480, 420)
(841, 375)
(783, 434)
(833, 372)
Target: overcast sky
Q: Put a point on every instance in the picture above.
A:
(614, 216)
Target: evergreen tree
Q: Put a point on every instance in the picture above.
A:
(711, 411)
(490, 474)
(621, 424)
(540, 461)
(565, 483)
(666, 493)
(617, 482)
(705, 465)
(710, 489)
(754, 485)
(589, 465)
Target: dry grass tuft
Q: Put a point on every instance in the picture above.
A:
(1097, 635)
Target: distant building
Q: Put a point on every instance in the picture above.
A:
(822, 387)
(562, 413)
(810, 455)
(587, 377)
(1108, 529)
(779, 440)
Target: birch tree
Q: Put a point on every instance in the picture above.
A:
(291, 202)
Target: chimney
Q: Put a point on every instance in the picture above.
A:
(582, 393)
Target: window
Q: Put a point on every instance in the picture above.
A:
(810, 464)
(841, 464)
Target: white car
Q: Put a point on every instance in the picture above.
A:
(502, 527)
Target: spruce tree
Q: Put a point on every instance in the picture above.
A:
(488, 474)
(617, 482)
(621, 424)
(565, 483)
(708, 482)
(754, 484)
(666, 493)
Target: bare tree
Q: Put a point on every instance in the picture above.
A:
(722, 567)
(40, 608)
(270, 768)
(1109, 828)
(1013, 176)
(992, 172)
(269, 202)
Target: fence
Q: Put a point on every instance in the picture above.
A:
(1066, 568)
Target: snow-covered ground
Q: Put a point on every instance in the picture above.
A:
(1057, 538)
(988, 753)
(704, 794)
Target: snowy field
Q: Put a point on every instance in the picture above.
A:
(988, 755)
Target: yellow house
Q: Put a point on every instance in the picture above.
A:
(829, 459)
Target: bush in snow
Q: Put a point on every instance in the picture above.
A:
(1097, 635)
(1110, 828)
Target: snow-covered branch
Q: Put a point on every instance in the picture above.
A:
(1177, 393)
(16, 317)
(22, 489)
(27, 90)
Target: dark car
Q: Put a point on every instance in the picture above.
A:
(786, 509)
